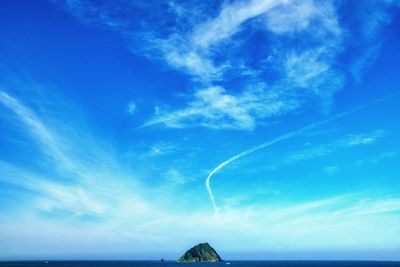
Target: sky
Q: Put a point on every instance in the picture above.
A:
(137, 129)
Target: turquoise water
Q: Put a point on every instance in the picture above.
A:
(220, 264)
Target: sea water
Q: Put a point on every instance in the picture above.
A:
(199, 264)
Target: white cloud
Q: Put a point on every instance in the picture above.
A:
(321, 150)
(309, 69)
(331, 170)
(301, 48)
(80, 172)
(368, 207)
(334, 223)
(215, 108)
(229, 21)
(373, 16)
(383, 156)
(161, 148)
(131, 107)
(38, 129)
(364, 139)
(122, 208)
(200, 67)
(52, 195)
(295, 16)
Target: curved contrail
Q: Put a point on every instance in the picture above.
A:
(282, 138)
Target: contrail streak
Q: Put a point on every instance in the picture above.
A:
(279, 139)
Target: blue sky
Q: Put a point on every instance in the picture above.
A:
(135, 129)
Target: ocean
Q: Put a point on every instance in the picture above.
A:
(195, 264)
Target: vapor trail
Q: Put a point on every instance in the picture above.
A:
(282, 138)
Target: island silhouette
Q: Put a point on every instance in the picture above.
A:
(202, 252)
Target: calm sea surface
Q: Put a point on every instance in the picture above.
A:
(177, 264)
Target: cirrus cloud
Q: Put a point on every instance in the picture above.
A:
(298, 51)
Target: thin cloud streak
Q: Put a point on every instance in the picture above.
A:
(326, 149)
(37, 128)
(279, 139)
(79, 186)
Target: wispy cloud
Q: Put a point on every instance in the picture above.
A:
(161, 148)
(273, 141)
(369, 207)
(373, 16)
(321, 150)
(333, 223)
(364, 139)
(53, 196)
(79, 174)
(215, 108)
(80, 191)
(36, 127)
(291, 50)
(381, 157)
(331, 170)
(131, 108)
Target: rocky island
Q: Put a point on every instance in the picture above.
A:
(202, 252)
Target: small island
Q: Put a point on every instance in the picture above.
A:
(202, 252)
